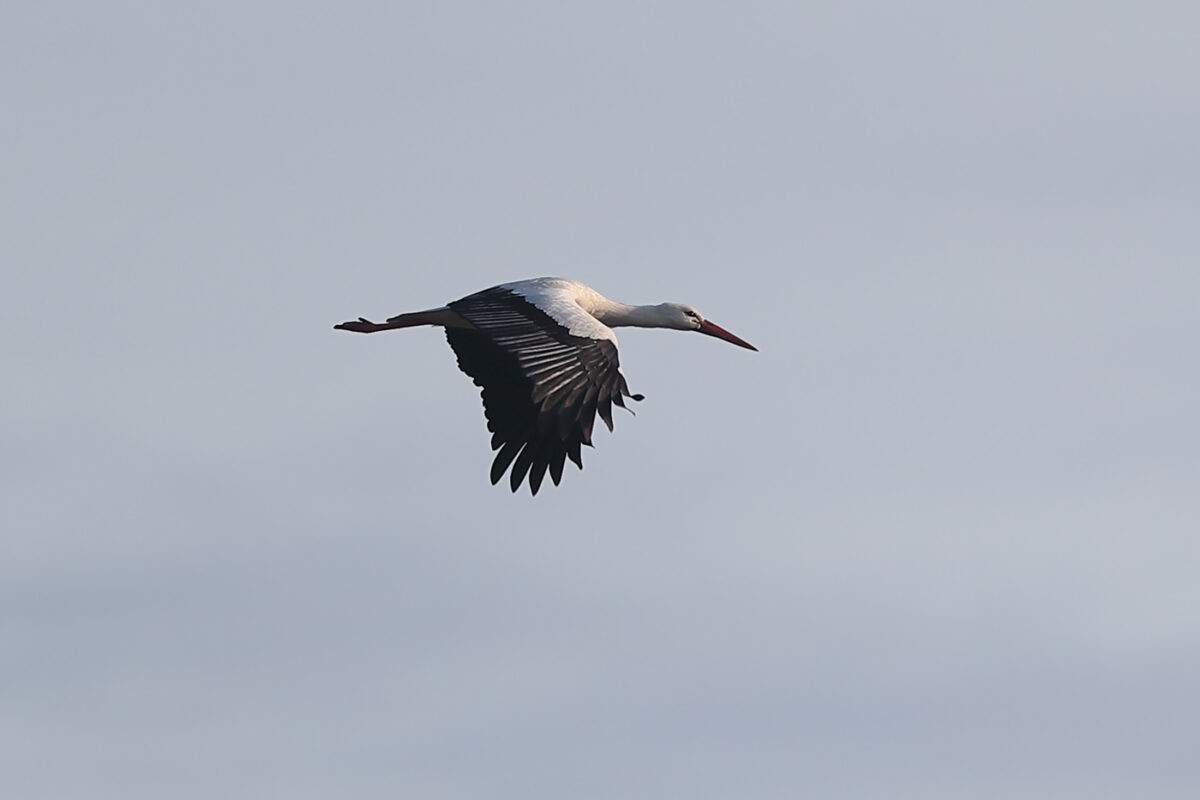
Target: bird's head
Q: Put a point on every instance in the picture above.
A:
(685, 318)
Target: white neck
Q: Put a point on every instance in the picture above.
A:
(617, 315)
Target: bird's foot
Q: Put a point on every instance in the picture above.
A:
(361, 325)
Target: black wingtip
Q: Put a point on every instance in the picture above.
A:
(638, 397)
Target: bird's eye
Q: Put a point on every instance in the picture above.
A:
(692, 314)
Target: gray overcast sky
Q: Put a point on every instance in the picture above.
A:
(936, 540)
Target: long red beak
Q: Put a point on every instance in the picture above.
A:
(721, 333)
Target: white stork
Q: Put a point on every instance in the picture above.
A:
(545, 356)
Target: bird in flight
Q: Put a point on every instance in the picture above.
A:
(545, 357)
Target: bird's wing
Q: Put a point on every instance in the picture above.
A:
(542, 385)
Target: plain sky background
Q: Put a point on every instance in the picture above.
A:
(938, 539)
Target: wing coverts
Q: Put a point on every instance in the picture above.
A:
(541, 386)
